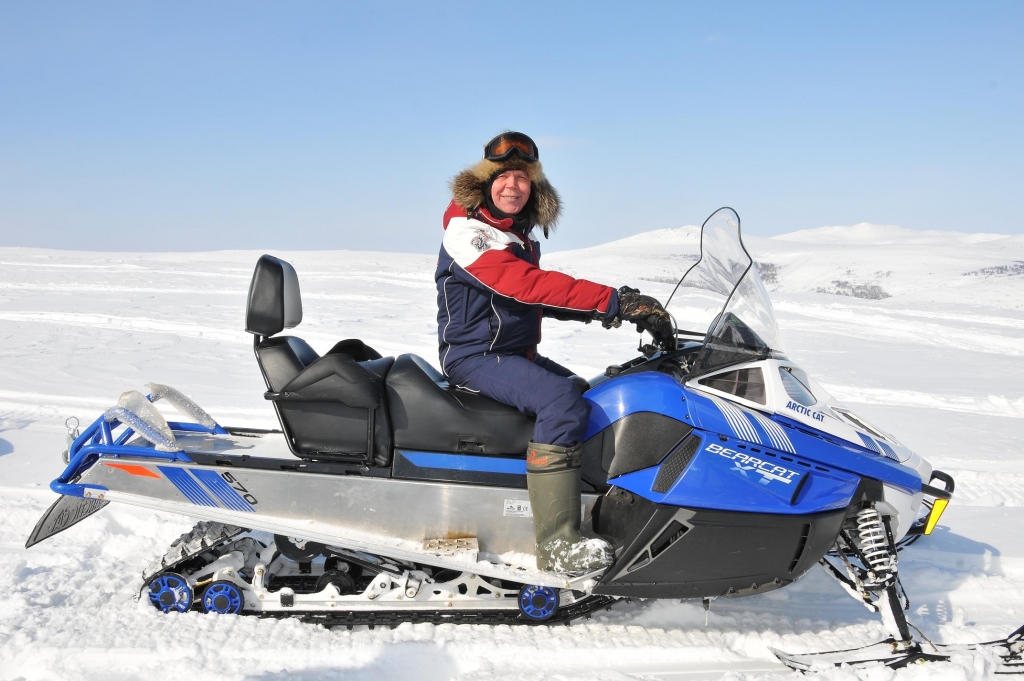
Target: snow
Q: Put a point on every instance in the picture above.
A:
(937, 363)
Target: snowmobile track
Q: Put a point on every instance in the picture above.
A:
(204, 536)
(393, 618)
(207, 535)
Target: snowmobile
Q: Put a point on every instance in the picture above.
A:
(713, 465)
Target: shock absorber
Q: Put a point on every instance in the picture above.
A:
(874, 544)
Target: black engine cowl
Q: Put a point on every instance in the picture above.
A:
(673, 552)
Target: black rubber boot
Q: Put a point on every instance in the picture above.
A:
(553, 478)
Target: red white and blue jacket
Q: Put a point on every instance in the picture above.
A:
(492, 294)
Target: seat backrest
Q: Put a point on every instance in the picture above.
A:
(427, 368)
(274, 301)
(412, 374)
(330, 408)
(283, 358)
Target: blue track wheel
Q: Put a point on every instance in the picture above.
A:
(224, 598)
(169, 591)
(538, 603)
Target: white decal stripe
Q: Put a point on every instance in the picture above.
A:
(730, 418)
(775, 433)
(734, 417)
(767, 431)
(785, 444)
(888, 451)
(725, 416)
(767, 427)
(869, 443)
(751, 431)
(752, 434)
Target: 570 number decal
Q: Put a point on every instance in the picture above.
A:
(238, 487)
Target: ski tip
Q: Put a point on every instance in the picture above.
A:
(789, 660)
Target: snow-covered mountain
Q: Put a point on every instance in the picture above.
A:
(923, 330)
(867, 261)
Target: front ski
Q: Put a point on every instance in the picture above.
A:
(887, 652)
(895, 654)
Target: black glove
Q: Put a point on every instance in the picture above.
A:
(647, 313)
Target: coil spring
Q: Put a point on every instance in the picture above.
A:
(873, 541)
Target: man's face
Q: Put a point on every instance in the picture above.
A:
(510, 191)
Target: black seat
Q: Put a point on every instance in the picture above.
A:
(429, 415)
(330, 407)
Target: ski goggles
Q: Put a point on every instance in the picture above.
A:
(511, 143)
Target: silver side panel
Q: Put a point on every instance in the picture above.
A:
(395, 518)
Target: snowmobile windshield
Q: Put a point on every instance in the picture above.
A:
(722, 292)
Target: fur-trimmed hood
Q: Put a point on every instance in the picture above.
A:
(544, 205)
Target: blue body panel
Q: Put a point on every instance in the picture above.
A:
(808, 443)
(646, 391)
(730, 476)
(823, 470)
(466, 462)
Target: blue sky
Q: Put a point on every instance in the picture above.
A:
(213, 125)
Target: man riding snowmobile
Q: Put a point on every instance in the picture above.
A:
(491, 297)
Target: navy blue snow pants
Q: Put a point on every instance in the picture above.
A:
(539, 387)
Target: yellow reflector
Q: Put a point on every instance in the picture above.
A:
(933, 518)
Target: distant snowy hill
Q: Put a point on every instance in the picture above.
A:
(866, 233)
(863, 261)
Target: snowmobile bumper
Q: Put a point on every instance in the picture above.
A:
(78, 499)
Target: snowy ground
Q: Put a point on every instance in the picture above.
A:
(935, 358)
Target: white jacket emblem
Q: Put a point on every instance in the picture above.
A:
(481, 241)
